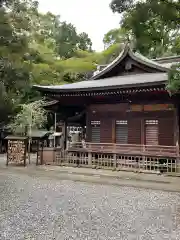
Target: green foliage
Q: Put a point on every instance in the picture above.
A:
(38, 48)
(111, 53)
(153, 24)
(31, 116)
(14, 72)
(173, 85)
(121, 6)
(117, 35)
(34, 49)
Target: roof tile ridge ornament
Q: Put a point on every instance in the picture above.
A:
(127, 46)
(121, 55)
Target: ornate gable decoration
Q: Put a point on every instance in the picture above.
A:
(126, 59)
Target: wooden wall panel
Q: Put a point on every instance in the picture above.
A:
(106, 130)
(134, 131)
(166, 131)
(119, 107)
(136, 121)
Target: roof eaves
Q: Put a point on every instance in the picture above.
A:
(87, 89)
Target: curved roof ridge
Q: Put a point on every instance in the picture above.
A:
(150, 61)
(135, 56)
(116, 60)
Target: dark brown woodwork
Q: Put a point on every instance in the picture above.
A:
(113, 131)
(120, 107)
(109, 113)
(176, 129)
(134, 131)
(166, 131)
(88, 127)
(142, 131)
(106, 130)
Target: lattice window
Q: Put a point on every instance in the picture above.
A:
(151, 122)
(95, 131)
(121, 131)
(152, 132)
(121, 122)
(95, 122)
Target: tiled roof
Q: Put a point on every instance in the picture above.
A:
(125, 81)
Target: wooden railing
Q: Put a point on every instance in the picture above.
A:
(148, 150)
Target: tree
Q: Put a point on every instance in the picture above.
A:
(31, 116)
(68, 41)
(173, 85)
(84, 42)
(117, 35)
(14, 72)
(121, 6)
(153, 24)
(111, 53)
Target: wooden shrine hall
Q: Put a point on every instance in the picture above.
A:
(127, 111)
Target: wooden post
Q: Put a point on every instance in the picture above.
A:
(89, 158)
(115, 160)
(142, 132)
(55, 123)
(141, 164)
(113, 131)
(7, 160)
(25, 150)
(176, 134)
(37, 156)
(42, 160)
(65, 134)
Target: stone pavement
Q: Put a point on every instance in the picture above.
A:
(43, 208)
(63, 203)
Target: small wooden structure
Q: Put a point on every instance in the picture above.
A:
(38, 138)
(17, 150)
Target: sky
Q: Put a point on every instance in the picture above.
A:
(91, 16)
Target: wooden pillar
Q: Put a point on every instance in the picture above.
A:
(7, 160)
(176, 129)
(65, 134)
(87, 139)
(142, 132)
(143, 137)
(37, 156)
(89, 158)
(113, 131)
(42, 154)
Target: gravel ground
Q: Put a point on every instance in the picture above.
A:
(42, 208)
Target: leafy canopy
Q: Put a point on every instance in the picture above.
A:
(153, 25)
(173, 85)
(31, 116)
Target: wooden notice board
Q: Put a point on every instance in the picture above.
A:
(17, 150)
